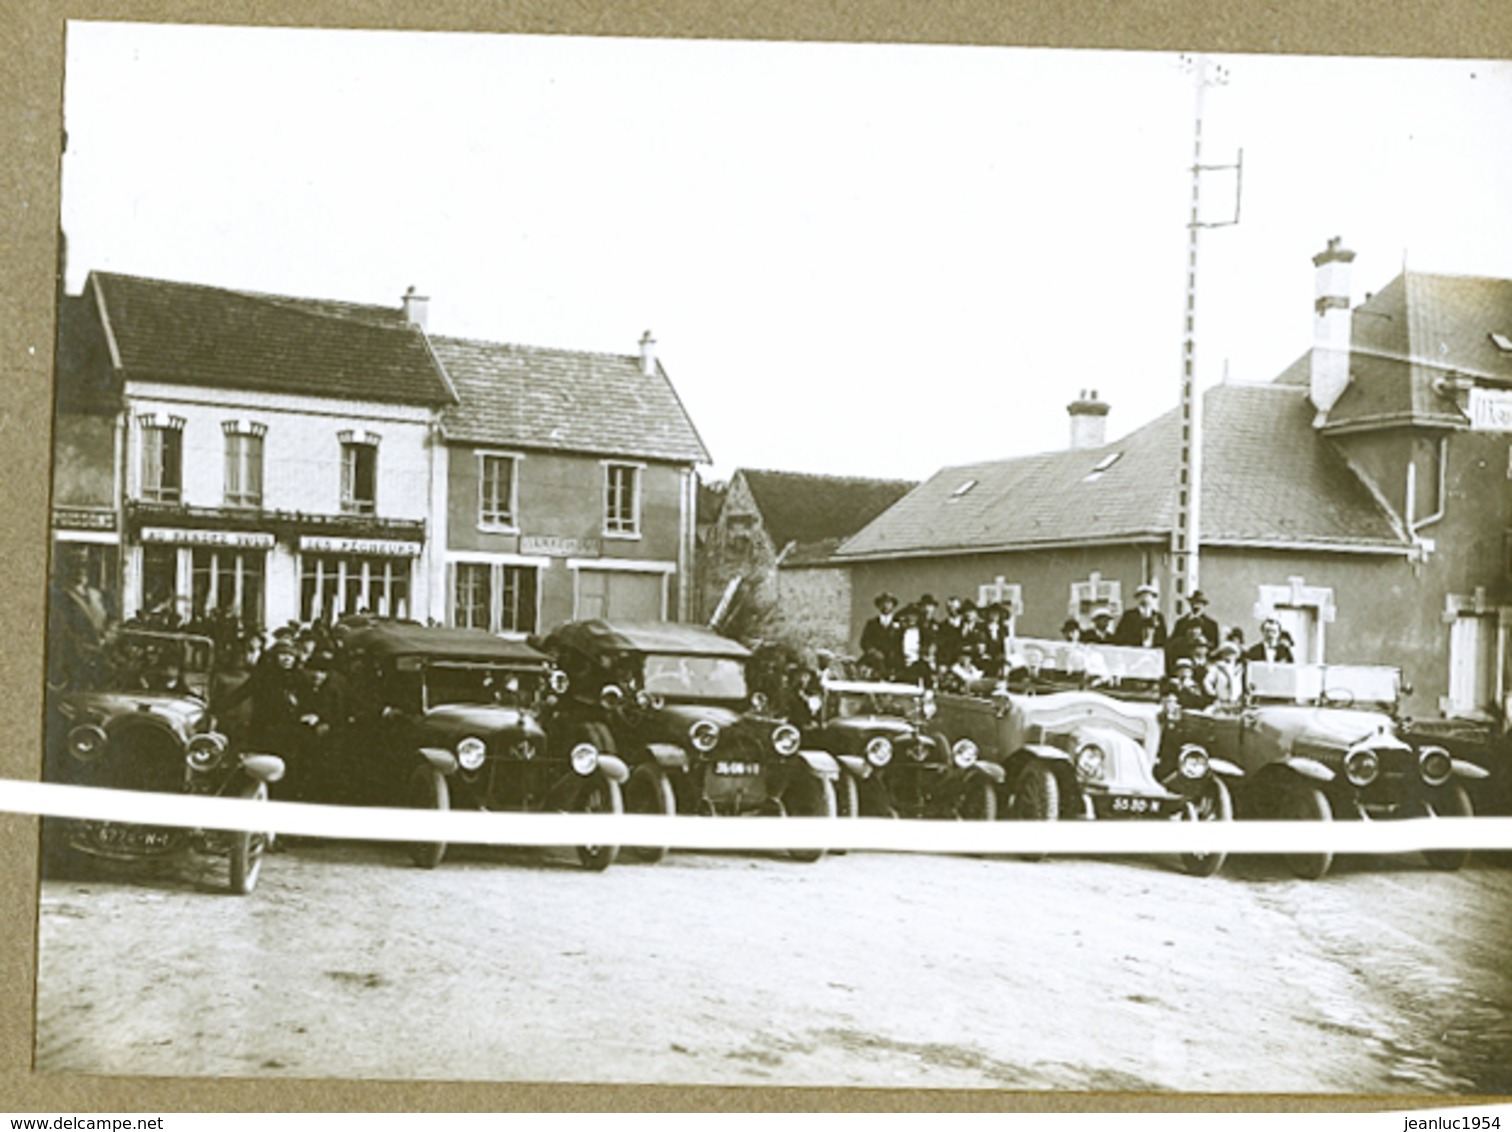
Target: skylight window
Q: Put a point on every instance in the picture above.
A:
(1102, 466)
(963, 489)
(1503, 343)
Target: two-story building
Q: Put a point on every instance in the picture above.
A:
(570, 489)
(273, 457)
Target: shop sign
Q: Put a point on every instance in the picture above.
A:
(392, 548)
(83, 519)
(239, 540)
(1491, 410)
(561, 546)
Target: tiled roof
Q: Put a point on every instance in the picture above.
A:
(806, 509)
(185, 333)
(565, 400)
(1416, 330)
(1267, 477)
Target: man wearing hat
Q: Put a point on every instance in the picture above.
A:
(1195, 618)
(1144, 625)
(883, 634)
(1101, 632)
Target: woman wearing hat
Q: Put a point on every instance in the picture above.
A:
(1225, 676)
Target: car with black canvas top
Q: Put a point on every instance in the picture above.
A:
(673, 701)
(454, 718)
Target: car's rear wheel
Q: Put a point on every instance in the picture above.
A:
(602, 797)
(1036, 797)
(649, 791)
(808, 796)
(1214, 804)
(247, 849)
(1301, 801)
(979, 802)
(428, 791)
(1449, 801)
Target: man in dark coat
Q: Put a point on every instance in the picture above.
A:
(326, 703)
(1195, 618)
(883, 634)
(1270, 648)
(1144, 625)
(275, 689)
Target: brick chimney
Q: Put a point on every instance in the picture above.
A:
(1331, 326)
(648, 354)
(1089, 420)
(416, 308)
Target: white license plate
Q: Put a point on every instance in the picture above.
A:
(1135, 805)
(738, 770)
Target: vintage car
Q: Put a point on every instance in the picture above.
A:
(1323, 741)
(1075, 754)
(450, 718)
(896, 761)
(148, 727)
(673, 701)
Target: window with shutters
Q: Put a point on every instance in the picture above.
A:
(244, 463)
(359, 472)
(162, 458)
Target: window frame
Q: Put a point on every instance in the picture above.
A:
(631, 527)
(240, 449)
(353, 443)
(156, 428)
(509, 523)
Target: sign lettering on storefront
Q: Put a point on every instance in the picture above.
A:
(83, 519)
(392, 548)
(561, 546)
(1491, 410)
(241, 540)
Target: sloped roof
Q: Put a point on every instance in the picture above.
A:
(191, 334)
(1417, 329)
(1267, 478)
(565, 400)
(797, 507)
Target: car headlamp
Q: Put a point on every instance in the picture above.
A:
(760, 703)
(1091, 761)
(879, 751)
(964, 753)
(786, 739)
(470, 752)
(1435, 765)
(204, 752)
(1193, 762)
(585, 758)
(86, 743)
(704, 735)
(558, 682)
(1362, 766)
(611, 696)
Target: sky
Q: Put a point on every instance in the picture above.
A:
(871, 260)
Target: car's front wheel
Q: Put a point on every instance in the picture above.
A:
(247, 849)
(649, 791)
(1036, 797)
(978, 802)
(1215, 803)
(1301, 801)
(428, 791)
(809, 797)
(1449, 801)
(603, 797)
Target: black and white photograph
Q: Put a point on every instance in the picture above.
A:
(790, 433)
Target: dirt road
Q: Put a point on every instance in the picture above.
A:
(866, 969)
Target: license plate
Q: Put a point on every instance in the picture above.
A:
(738, 769)
(1134, 806)
(131, 839)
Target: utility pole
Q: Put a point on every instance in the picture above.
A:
(1187, 532)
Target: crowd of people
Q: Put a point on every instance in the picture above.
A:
(961, 645)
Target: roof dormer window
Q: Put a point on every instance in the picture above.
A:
(963, 489)
(1503, 342)
(1102, 466)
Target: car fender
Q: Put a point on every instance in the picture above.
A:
(855, 765)
(440, 758)
(1224, 767)
(668, 756)
(263, 768)
(613, 768)
(821, 764)
(990, 771)
(1463, 769)
(1309, 768)
(1044, 751)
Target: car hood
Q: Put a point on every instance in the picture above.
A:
(482, 720)
(680, 717)
(109, 709)
(870, 726)
(1314, 731)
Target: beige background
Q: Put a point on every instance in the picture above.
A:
(31, 66)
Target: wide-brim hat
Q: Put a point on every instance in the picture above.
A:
(1198, 598)
(1103, 614)
(1226, 651)
(1146, 589)
(886, 598)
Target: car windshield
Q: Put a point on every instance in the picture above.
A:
(1341, 684)
(698, 677)
(849, 704)
(455, 683)
(162, 662)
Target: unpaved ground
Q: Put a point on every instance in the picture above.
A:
(867, 969)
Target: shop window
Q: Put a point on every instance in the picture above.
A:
(162, 458)
(226, 582)
(494, 596)
(244, 463)
(334, 585)
(622, 500)
(472, 607)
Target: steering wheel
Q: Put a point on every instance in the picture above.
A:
(1337, 697)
